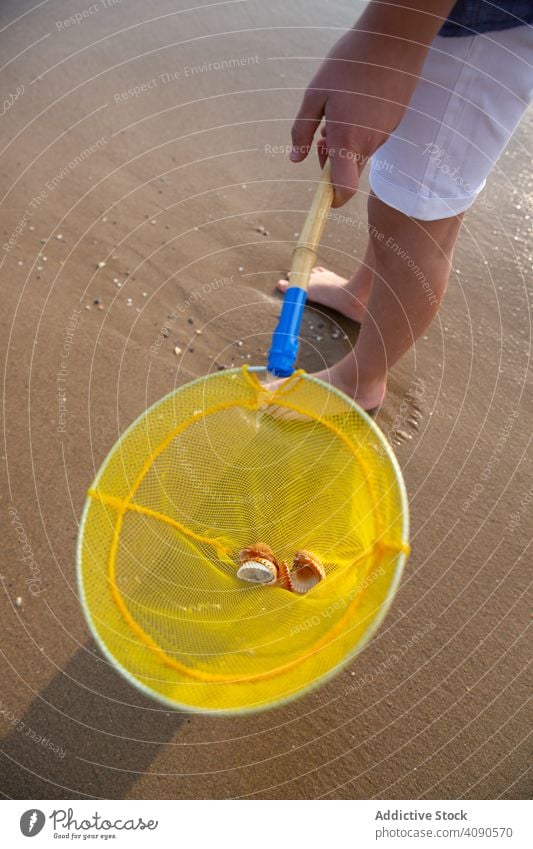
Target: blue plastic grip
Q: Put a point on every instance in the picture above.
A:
(284, 347)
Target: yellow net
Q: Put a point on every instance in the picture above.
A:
(214, 467)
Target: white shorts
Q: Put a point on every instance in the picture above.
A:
(470, 98)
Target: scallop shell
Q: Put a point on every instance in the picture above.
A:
(259, 551)
(306, 572)
(258, 571)
(259, 566)
(284, 578)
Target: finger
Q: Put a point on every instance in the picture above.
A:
(345, 179)
(322, 150)
(306, 124)
(345, 165)
(321, 144)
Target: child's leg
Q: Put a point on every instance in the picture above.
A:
(411, 268)
(432, 167)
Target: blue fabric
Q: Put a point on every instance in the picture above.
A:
(469, 17)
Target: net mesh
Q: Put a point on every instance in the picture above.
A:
(216, 466)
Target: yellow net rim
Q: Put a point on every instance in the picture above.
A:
(123, 505)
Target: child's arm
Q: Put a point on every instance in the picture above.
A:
(364, 85)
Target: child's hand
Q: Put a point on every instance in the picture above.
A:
(363, 87)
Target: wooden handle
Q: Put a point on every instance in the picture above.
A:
(305, 252)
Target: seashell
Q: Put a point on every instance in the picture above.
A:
(284, 579)
(259, 566)
(306, 572)
(258, 571)
(258, 551)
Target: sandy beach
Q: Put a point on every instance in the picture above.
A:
(144, 174)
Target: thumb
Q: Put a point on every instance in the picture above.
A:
(306, 124)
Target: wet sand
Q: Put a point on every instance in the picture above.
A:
(169, 185)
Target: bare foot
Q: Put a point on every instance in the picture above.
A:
(369, 395)
(345, 296)
(342, 376)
